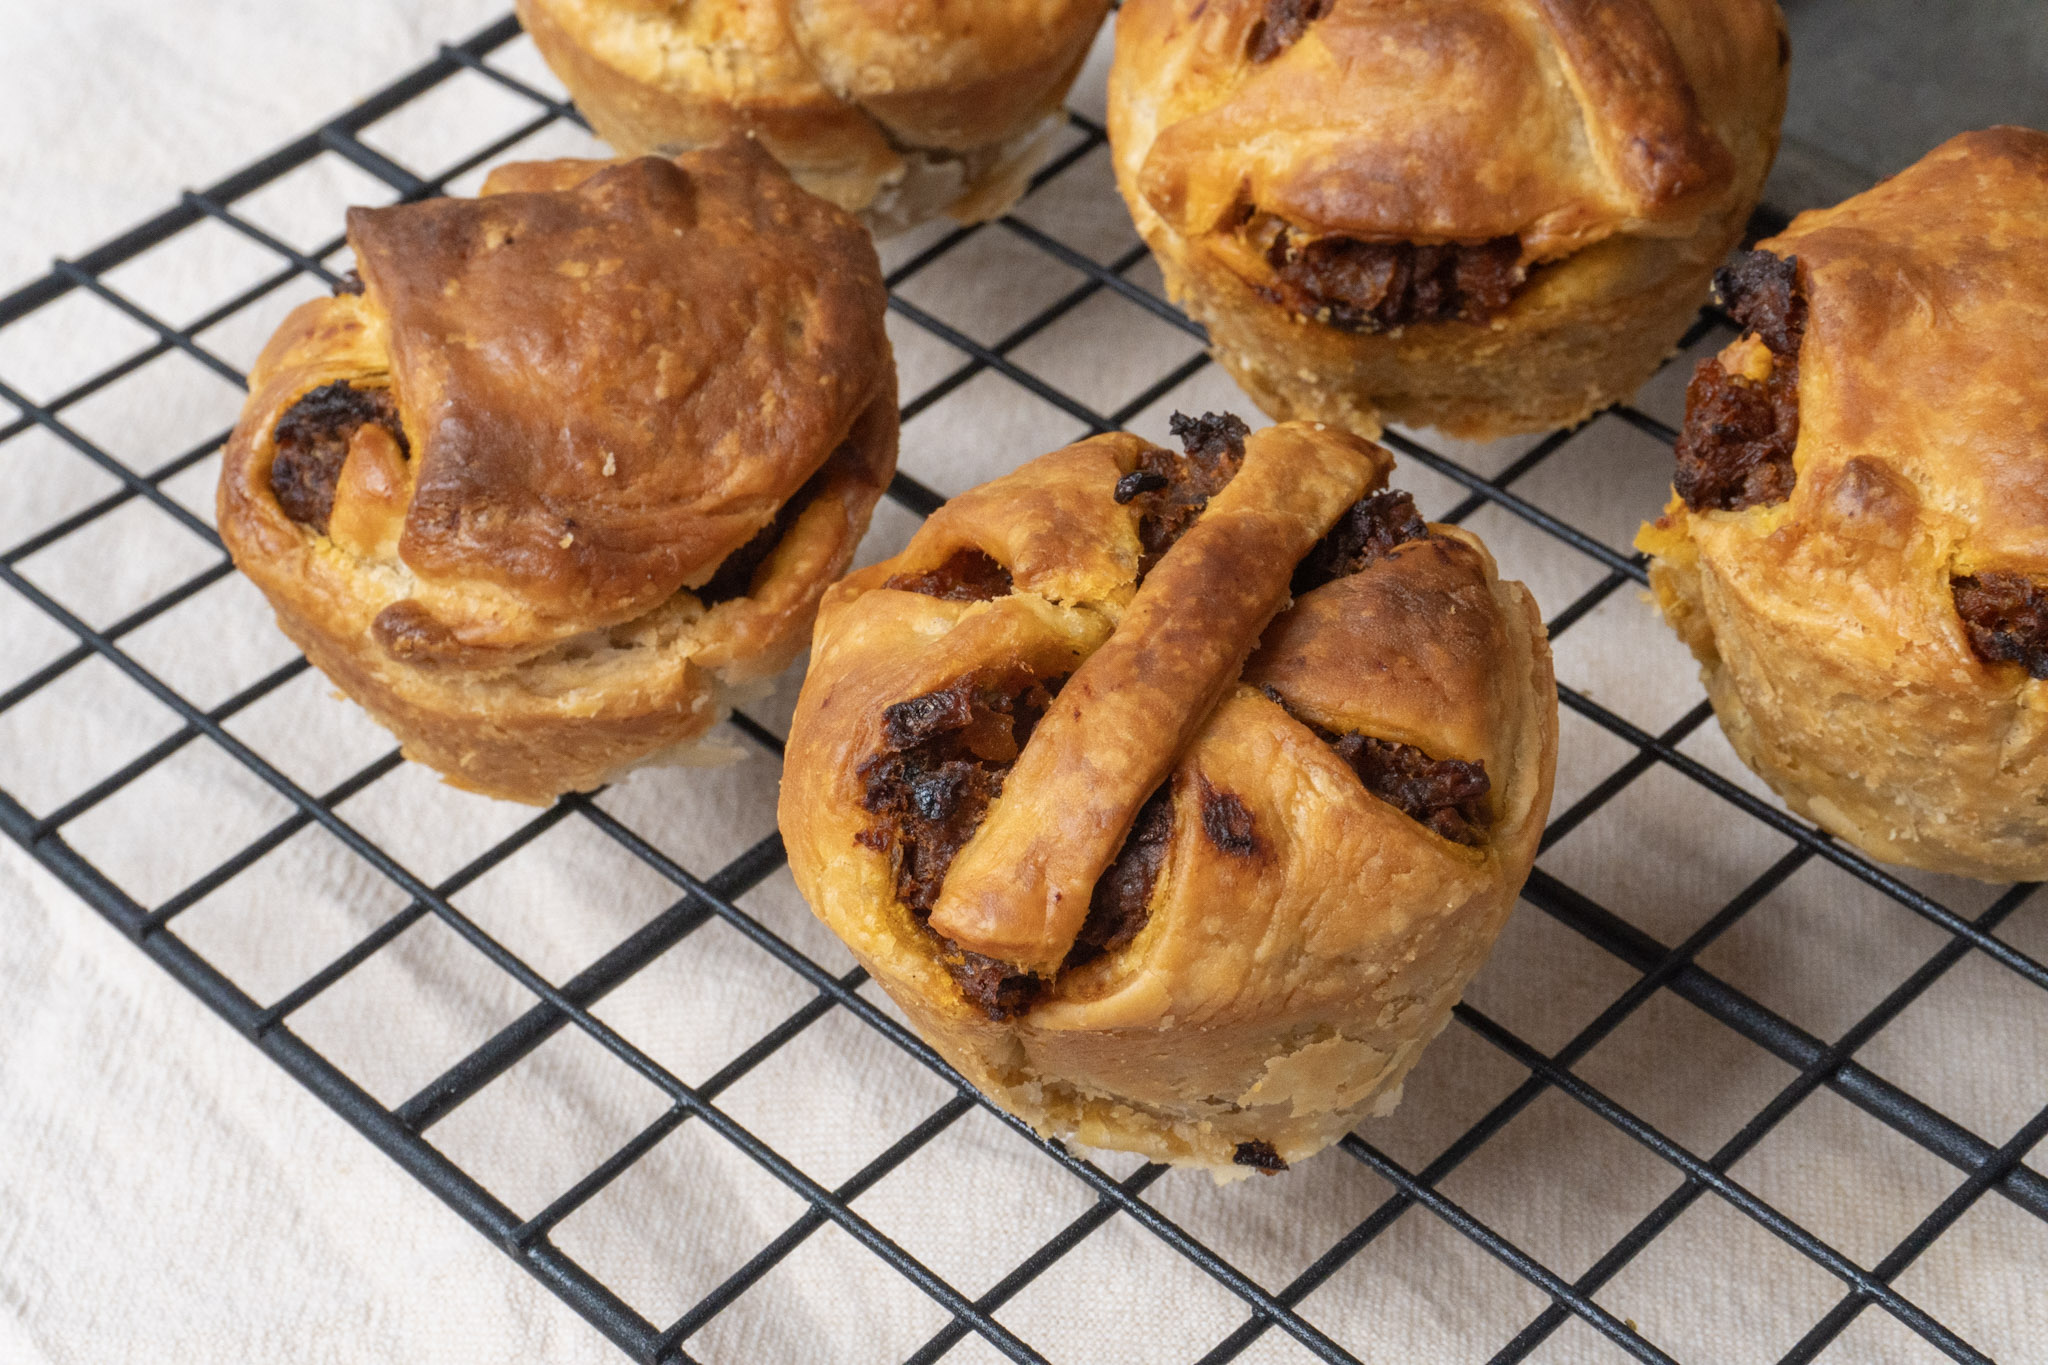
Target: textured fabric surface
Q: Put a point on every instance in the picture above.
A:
(166, 1193)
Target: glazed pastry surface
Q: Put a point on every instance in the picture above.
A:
(896, 110)
(1860, 557)
(581, 454)
(1483, 215)
(1176, 797)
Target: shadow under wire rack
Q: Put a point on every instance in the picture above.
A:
(1075, 275)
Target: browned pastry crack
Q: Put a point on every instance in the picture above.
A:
(1227, 821)
(1260, 1156)
(943, 759)
(1373, 526)
(1282, 25)
(1364, 286)
(312, 445)
(1448, 795)
(1178, 487)
(967, 575)
(1736, 449)
(2006, 618)
(1122, 901)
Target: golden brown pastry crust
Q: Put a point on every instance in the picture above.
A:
(1826, 625)
(1292, 967)
(893, 109)
(1623, 142)
(610, 377)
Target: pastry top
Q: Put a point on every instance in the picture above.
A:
(1185, 691)
(608, 377)
(1560, 122)
(1922, 386)
(1912, 319)
(1019, 890)
(908, 63)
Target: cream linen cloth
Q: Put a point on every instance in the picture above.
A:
(167, 1194)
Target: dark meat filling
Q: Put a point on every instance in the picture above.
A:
(1136, 482)
(1260, 1156)
(1211, 437)
(1761, 292)
(1446, 794)
(735, 574)
(967, 575)
(1372, 286)
(312, 445)
(1178, 487)
(2006, 617)
(1370, 529)
(943, 760)
(1282, 25)
(999, 990)
(1736, 449)
(1122, 901)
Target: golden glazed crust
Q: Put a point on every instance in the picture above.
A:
(1623, 143)
(1292, 966)
(1826, 625)
(893, 109)
(610, 377)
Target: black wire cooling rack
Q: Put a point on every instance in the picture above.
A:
(1652, 969)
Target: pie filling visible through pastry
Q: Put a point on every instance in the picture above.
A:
(1282, 25)
(2006, 617)
(734, 576)
(314, 439)
(968, 575)
(1742, 406)
(1742, 426)
(1361, 286)
(943, 760)
(945, 754)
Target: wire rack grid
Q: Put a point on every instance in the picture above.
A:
(1379, 1187)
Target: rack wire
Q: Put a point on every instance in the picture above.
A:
(1653, 968)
